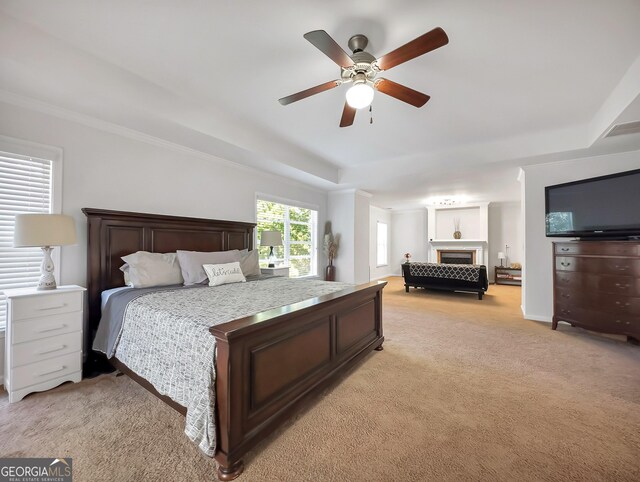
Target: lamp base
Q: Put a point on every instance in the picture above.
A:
(47, 279)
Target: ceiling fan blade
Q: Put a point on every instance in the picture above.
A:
(323, 41)
(309, 92)
(400, 92)
(348, 115)
(432, 40)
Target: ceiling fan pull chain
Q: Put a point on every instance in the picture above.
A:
(371, 115)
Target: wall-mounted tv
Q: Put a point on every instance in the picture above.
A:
(607, 206)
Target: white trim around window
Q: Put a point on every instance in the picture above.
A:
(19, 148)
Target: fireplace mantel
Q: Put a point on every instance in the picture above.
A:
(480, 247)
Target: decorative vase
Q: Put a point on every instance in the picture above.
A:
(330, 274)
(457, 235)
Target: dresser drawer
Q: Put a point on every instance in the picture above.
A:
(55, 346)
(612, 266)
(599, 320)
(619, 285)
(37, 328)
(598, 248)
(613, 303)
(45, 305)
(42, 371)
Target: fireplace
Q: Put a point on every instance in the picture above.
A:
(457, 256)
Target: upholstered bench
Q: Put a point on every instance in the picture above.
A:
(448, 277)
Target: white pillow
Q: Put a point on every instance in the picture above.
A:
(125, 269)
(153, 269)
(220, 274)
(250, 262)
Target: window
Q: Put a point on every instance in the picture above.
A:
(299, 233)
(26, 186)
(382, 251)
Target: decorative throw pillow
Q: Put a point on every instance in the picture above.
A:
(191, 263)
(153, 269)
(250, 262)
(221, 274)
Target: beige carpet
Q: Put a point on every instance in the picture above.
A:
(464, 390)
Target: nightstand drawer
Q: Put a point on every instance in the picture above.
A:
(55, 346)
(42, 371)
(45, 305)
(37, 328)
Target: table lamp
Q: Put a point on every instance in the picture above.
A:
(501, 257)
(44, 231)
(271, 239)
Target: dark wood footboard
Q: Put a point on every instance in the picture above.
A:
(269, 364)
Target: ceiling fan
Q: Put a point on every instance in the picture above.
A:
(361, 69)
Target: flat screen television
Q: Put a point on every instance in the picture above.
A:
(607, 206)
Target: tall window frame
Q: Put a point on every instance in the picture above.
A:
(288, 225)
(11, 148)
(382, 244)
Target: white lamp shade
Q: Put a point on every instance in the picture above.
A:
(271, 238)
(38, 230)
(501, 255)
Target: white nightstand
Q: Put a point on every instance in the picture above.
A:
(43, 344)
(277, 271)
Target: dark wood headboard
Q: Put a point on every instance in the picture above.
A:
(113, 234)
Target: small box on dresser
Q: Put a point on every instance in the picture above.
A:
(596, 285)
(43, 340)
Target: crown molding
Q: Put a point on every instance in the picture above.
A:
(112, 128)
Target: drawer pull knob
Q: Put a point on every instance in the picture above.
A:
(57, 307)
(53, 328)
(59, 369)
(565, 295)
(617, 321)
(619, 303)
(51, 350)
(622, 268)
(622, 286)
(564, 249)
(565, 264)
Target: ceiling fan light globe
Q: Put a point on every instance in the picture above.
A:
(360, 95)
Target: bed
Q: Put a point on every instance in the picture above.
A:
(446, 277)
(327, 334)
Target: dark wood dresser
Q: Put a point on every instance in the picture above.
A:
(596, 285)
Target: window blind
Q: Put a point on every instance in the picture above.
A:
(25, 187)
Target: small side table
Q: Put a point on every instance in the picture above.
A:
(277, 271)
(508, 276)
(43, 339)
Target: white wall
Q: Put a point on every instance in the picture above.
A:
(348, 212)
(341, 213)
(383, 216)
(505, 227)
(537, 293)
(408, 234)
(469, 219)
(105, 170)
(361, 246)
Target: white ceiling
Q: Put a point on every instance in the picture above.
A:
(518, 81)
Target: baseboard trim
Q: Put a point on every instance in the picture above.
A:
(546, 319)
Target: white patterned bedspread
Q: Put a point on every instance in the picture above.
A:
(165, 339)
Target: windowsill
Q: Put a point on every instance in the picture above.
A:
(382, 266)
